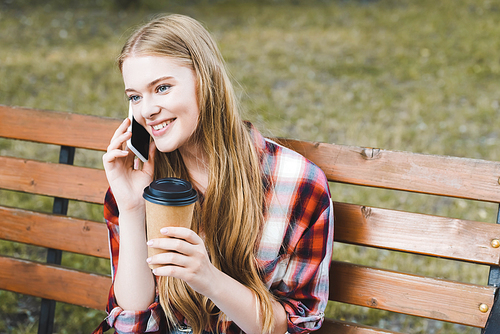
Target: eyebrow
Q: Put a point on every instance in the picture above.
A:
(152, 83)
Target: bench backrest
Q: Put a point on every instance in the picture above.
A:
(444, 237)
(412, 294)
(55, 231)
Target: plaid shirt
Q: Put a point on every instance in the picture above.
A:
(294, 253)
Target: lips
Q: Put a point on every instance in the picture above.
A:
(160, 128)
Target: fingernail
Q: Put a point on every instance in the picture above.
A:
(148, 260)
(164, 230)
(149, 243)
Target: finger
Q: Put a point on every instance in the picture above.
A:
(173, 245)
(112, 155)
(169, 258)
(119, 142)
(174, 265)
(121, 129)
(120, 136)
(171, 271)
(182, 233)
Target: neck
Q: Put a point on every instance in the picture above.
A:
(196, 164)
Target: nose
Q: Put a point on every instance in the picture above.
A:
(149, 108)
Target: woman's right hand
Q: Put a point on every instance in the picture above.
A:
(127, 182)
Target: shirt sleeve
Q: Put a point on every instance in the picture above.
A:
(147, 321)
(304, 287)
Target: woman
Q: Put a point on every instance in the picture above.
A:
(258, 255)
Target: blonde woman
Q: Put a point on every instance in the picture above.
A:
(258, 255)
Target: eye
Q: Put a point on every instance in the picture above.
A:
(163, 88)
(134, 98)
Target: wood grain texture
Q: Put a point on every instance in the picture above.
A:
(359, 285)
(342, 327)
(42, 178)
(53, 231)
(54, 282)
(410, 294)
(440, 175)
(417, 233)
(59, 128)
(431, 174)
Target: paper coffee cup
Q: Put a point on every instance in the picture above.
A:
(169, 202)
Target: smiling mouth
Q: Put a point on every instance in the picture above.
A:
(163, 125)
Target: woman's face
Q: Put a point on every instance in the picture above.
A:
(164, 99)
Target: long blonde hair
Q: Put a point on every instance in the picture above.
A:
(231, 215)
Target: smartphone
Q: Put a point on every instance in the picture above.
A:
(139, 142)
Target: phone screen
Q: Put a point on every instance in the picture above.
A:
(139, 143)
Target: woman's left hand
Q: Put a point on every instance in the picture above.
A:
(191, 264)
(186, 259)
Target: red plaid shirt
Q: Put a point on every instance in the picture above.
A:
(294, 252)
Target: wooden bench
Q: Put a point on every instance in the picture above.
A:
(412, 294)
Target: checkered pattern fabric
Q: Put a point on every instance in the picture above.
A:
(294, 252)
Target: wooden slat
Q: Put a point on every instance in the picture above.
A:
(410, 294)
(342, 327)
(72, 182)
(59, 128)
(440, 175)
(51, 231)
(54, 282)
(417, 233)
(449, 176)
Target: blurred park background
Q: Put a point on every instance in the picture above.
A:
(407, 75)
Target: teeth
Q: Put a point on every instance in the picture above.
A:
(162, 125)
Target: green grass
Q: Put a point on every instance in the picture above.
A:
(420, 76)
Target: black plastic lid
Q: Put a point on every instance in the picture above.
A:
(170, 191)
